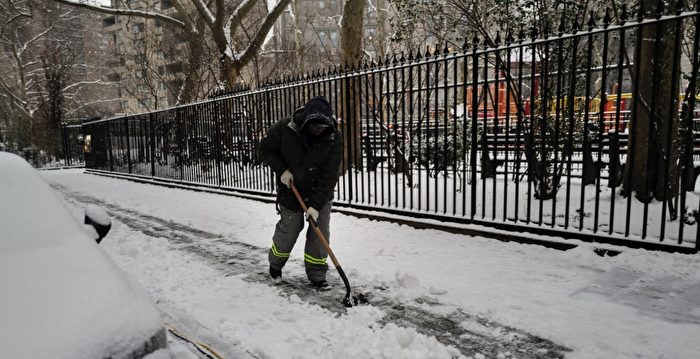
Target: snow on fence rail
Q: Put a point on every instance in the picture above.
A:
(543, 142)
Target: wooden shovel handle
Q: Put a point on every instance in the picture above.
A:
(319, 234)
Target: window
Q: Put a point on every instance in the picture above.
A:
(321, 4)
(109, 21)
(334, 38)
(136, 28)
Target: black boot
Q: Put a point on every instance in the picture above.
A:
(321, 285)
(275, 273)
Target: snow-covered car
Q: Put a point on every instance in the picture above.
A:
(61, 295)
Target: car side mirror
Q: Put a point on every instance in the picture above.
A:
(98, 218)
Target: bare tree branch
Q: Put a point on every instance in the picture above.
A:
(128, 12)
(246, 55)
(205, 12)
(238, 14)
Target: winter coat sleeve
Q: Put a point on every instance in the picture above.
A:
(328, 175)
(269, 147)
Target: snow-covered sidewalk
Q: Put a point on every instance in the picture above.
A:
(639, 304)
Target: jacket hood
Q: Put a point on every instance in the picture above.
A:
(300, 121)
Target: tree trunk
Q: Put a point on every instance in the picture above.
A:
(351, 33)
(656, 127)
(190, 88)
(298, 55)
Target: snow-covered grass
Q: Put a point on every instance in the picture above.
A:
(502, 199)
(639, 304)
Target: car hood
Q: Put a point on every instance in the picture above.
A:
(61, 296)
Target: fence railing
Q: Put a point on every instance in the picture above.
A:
(536, 135)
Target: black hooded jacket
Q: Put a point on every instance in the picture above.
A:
(314, 161)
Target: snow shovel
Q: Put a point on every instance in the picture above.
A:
(349, 299)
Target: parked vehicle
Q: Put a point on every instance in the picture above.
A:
(61, 296)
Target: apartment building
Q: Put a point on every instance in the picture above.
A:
(148, 78)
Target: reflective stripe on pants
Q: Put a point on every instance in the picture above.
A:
(287, 230)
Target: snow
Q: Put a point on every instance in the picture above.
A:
(97, 214)
(639, 304)
(61, 296)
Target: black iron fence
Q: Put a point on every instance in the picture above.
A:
(585, 135)
(72, 141)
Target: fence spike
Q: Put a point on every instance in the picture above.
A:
(679, 7)
(660, 9)
(641, 12)
(577, 26)
(533, 33)
(447, 48)
(623, 14)
(465, 45)
(509, 37)
(475, 42)
(591, 21)
(547, 29)
(561, 27)
(497, 40)
(393, 59)
(607, 18)
(403, 57)
(410, 55)
(427, 51)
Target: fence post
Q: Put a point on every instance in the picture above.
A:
(64, 139)
(152, 136)
(474, 125)
(128, 143)
(217, 139)
(109, 139)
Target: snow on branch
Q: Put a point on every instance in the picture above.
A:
(238, 14)
(79, 83)
(128, 12)
(205, 12)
